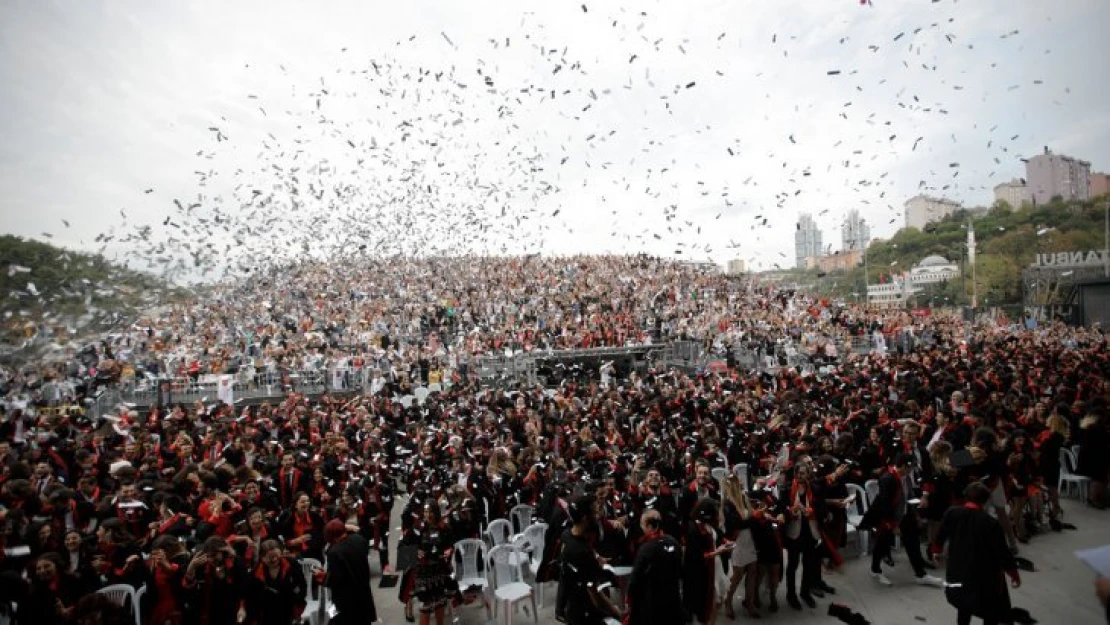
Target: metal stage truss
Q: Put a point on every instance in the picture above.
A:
(1049, 291)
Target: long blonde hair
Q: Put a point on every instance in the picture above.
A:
(1059, 425)
(939, 453)
(733, 492)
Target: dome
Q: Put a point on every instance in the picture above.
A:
(933, 261)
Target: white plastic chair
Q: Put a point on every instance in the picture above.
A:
(123, 595)
(872, 488)
(521, 517)
(533, 538)
(719, 474)
(139, 605)
(499, 532)
(856, 510)
(468, 554)
(314, 597)
(1068, 478)
(741, 471)
(624, 576)
(507, 581)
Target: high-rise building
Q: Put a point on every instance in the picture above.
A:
(807, 240)
(736, 266)
(922, 210)
(1100, 185)
(1050, 175)
(855, 234)
(1015, 193)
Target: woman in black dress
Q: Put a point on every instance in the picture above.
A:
(1093, 460)
(1051, 441)
(433, 585)
(699, 564)
(768, 545)
(941, 489)
(277, 589)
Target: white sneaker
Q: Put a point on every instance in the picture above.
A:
(931, 580)
(882, 579)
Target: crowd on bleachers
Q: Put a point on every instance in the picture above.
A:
(212, 510)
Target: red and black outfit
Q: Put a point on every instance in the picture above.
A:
(699, 571)
(276, 599)
(311, 524)
(979, 561)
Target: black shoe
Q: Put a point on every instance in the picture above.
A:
(793, 601)
(816, 592)
(889, 560)
(809, 600)
(825, 588)
(1055, 525)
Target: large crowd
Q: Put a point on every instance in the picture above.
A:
(211, 507)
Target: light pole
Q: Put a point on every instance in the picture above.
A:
(1106, 241)
(866, 280)
(971, 257)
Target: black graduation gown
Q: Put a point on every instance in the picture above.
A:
(274, 600)
(977, 560)
(349, 581)
(557, 523)
(653, 589)
(698, 572)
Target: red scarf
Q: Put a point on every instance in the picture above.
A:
(807, 497)
(302, 526)
(262, 570)
(168, 523)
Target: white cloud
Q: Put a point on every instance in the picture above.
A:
(109, 99)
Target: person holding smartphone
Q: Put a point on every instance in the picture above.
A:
(214, 582)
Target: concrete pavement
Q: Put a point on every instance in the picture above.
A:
(1059, 592)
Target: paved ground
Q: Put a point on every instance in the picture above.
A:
(1060, 592)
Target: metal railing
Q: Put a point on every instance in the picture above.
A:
(270, 384)
(263, 385)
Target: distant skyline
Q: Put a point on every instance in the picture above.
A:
(677, 126)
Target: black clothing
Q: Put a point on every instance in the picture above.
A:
(212, 598)
(977, 559)
(698, 571)
(273, 600)
(580, 572)
(41, 605)
(1049, 458)
(653, 589)
(943, 490)
(349, 581)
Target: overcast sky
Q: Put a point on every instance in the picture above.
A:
(104, 100)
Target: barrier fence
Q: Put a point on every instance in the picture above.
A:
(259, 385)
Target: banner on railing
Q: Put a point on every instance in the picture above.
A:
(225, 389)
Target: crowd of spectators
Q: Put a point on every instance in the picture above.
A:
(210, 506)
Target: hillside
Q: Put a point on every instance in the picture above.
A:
(43, 282)
(1008, 241)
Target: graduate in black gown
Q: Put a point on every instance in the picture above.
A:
(979, 561)
(654, 595)
(699, 587)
